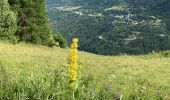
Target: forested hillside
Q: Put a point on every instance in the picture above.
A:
(113, 26)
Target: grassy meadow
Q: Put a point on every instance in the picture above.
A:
(35, 72)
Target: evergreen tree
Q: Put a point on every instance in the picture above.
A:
(32, 21)
(8, 22)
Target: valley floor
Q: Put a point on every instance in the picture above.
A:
(29, 72)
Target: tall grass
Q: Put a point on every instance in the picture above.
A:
(34, 72)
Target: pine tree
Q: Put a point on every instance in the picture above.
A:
(8, 22)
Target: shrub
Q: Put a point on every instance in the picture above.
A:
(51, 41)
(60, 39)
(165, 54)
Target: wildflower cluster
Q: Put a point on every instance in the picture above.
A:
(72, 61)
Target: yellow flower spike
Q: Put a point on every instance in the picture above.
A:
(73, 75)
(73, 65)
(75, 40)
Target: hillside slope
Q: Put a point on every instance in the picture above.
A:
(38, 72)
(113, 26)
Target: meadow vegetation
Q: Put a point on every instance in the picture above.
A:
(35, 72)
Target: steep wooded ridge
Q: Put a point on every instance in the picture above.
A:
(113, 26)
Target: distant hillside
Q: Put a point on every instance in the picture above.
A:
(113, 26)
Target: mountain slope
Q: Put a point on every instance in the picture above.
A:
(38, 72)
(113, 26)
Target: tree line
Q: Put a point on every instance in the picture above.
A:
(26, 20)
